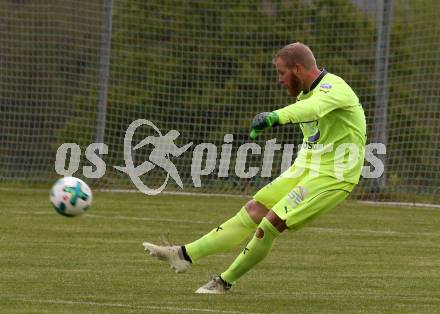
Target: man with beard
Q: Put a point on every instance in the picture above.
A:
(326, 170)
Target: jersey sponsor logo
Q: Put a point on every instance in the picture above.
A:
(311, 146)
(325, 87)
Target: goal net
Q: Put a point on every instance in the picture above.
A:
(132, 71)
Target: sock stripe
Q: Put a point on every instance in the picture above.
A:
(266, 224)
(246, 218)
(185, 254)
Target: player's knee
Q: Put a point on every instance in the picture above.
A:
(256, 210)
(259, 233)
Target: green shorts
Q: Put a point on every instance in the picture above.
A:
(297, 199)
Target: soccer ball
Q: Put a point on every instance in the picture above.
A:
(70, 196)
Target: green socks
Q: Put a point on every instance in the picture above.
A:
(225, 237)
(256, 251)
(230, 234)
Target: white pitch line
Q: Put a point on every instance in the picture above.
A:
(328, 230)
(152, 219)
(150, 307)
(205, 222)
(382, 232)
(378, 203)
(179, 193)
(123, 217)
(353, 294)
(401, 204)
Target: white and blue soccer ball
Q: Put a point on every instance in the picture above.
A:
(71, 196)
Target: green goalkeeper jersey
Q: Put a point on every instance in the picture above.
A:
(333, 124)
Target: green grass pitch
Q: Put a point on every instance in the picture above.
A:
(355, 259)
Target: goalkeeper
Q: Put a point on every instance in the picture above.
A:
(326, 170)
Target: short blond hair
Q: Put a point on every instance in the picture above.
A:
(296, 53)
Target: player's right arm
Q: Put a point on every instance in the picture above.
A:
(301, 111)
(310, 109)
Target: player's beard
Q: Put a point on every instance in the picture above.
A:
(295, 86)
